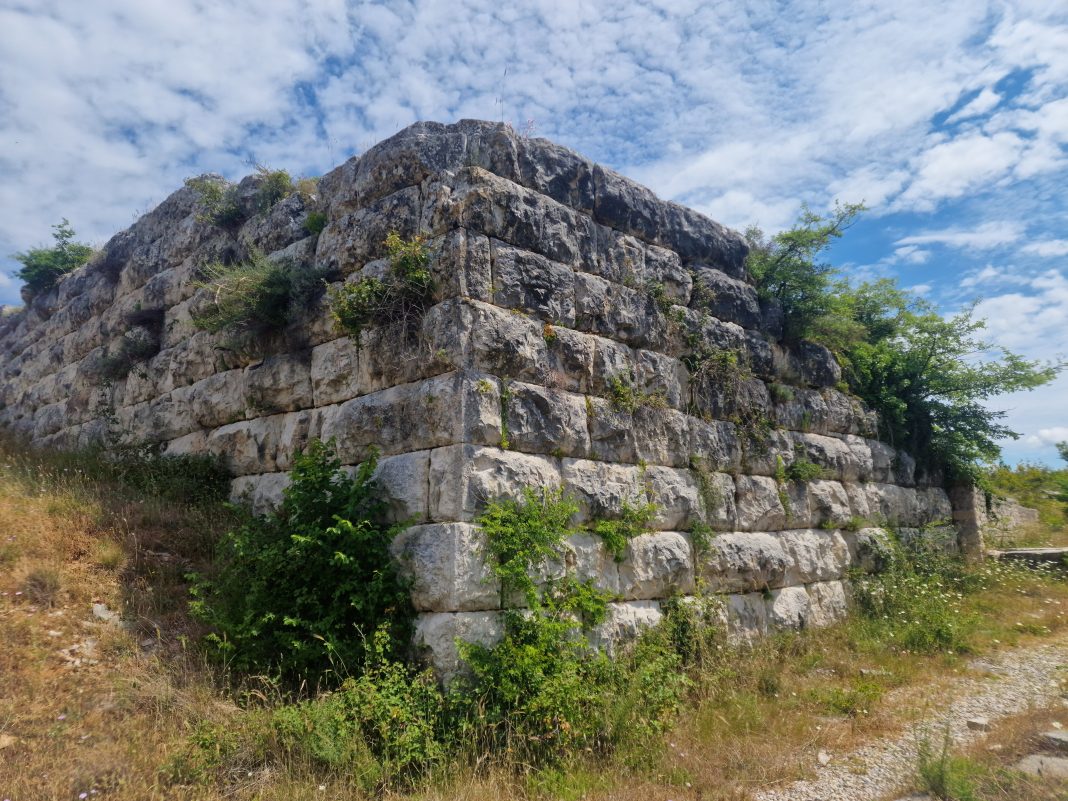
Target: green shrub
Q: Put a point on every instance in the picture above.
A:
(275, 185)
(400, 298)
(634, 519)
(42, 267)
(258, 295)
(294, 593)
(315, 222)
(217, 201)
(524, 534)
(135, 346)
(384, 728)
(801, 469)
(624, 396)
(188, 478)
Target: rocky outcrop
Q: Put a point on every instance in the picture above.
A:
(564, 347)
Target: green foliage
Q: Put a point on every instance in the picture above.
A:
(315, 222)
(929, 377)
(383, 727)
(294, 593)
(217, 201)
(1062, 450)
(524, 534)
(188, 478)
(624, 396)
(801, 469)
(274, 185)
(255, 296)
(915, 602)
(42, 267)
(634, 519)
(785, 268)
(1036, 486)
(135, 346)
(400, 297)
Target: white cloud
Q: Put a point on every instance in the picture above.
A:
(921, 289)
(1049, 436)
(983, 237)
(911, 254)
(982, 103)
(1047, 247)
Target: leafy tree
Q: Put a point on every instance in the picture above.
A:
(1062, 449)
(786, 269)
(42, 267)
(927, 376)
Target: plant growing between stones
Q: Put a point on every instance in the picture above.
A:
(256, 296)
(399, 298)
(43, 267)
(624, 396)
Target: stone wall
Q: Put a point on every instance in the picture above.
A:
(561, 285)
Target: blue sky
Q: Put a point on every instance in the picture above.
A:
(949, 119)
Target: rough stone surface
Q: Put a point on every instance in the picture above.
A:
(568, 303)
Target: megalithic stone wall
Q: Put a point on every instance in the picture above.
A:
(560, 284)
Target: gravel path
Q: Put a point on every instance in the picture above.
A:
(1012, 682)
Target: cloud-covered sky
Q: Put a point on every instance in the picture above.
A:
(949, 119)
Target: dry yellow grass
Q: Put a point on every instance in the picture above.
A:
(87, 705)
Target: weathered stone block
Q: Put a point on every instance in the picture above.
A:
(533, 283)
(464, 478)
(745, 562)
(788, 608)
(623, 623)
(449, 567)
(437, 633)
(544, 420)
(335, 371)
(656, 565)
(814, 555)
(759, 505)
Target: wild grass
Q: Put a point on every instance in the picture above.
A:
(123, 718)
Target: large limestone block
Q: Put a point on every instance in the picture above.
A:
(219, 399)
(623, 623)
(454, 407)
(830, 453)
(894, 505)
(726, 298)
(335, 371)
(656, 565)
(506, 344)
(533, 283)
(788, 609)
(818, 503)
(266, 444)
(544, 420)
(261, 492)
(745, 562)
(436, 635)
(678, 499)
(587, 559)
(861, 461)
(601, 488)
(612, 434)
(351, 240)
(934, 505)
(570, 359)
(759, 507)
(814, 555)
(662, 436)
(449, 567)
(404, 480)
(464, 478)
(828, 603)
(619, 312)
(660, 376)
(463, 266)
(746, 616)
(503, 210)
(884, 459)
(716, 444)
(869, 548)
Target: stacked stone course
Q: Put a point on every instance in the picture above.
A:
(558, 282)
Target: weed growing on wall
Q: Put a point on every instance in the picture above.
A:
(220, 203)
(295, 592)
(625, 396)
(42, 267)
(634, 519)
(399, 298)
(255, 296)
